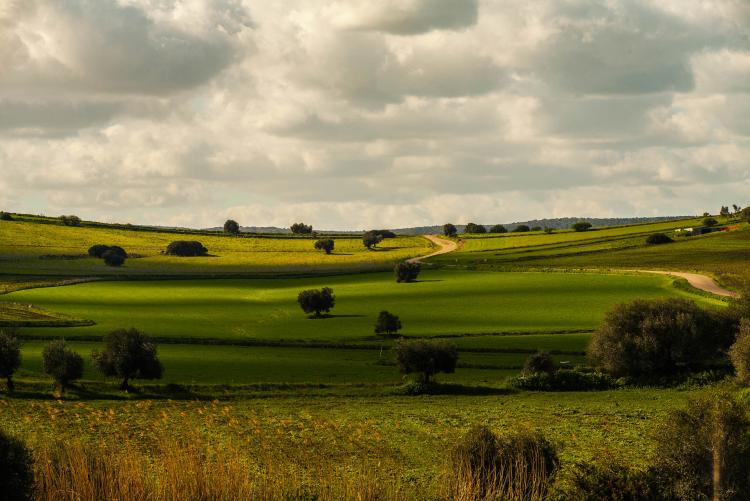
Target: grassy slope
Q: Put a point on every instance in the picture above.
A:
(23, 244)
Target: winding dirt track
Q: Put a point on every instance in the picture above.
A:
(697, 280)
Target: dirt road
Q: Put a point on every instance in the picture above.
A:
(698, 281)
(445, 246)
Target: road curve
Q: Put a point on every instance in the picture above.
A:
(698, 281)
(445, 246)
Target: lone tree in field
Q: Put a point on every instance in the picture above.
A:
(710, 222)
(316, 301)
(521, 228)
(407, 272)
(113, 258)
(62, 364)
(387, 324)
(128, 354)
(370, 239)
(70, 220)
(325, 244)
(97, 250)
(581, 226)
(425, 358)
(724, 211)
(449, 230)
(658, 338)
(475, 228)
(301, 229)
(186, 248)
(498, 228)
(739, 353)
(10, 357)
(541, 361)
(232, 227)
(16, 469)
(658, 239)
(4, 216)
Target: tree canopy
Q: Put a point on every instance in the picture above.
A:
(316, 300)
(232, 227)
(128, 354)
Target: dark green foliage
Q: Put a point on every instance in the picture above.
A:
(548, 230)
(449, 230)
(371, 239)
(658, 239)
(475, 228)
(61, 364)
(232, 227)
(709, 221)
(117, 250)
(485, 466)
(745, 214)
(4, 216)
(10, 357)
(128, 354)
(326, 244)
(186, 248)
(384, 233)
(301, 229)
(521, 228)
(387, 324)
(541, 361)
(739, 307)
(316, 300)
(113, 258)
(563, 380)
(703, 451)
(657, 338)
(426, 358)
(739, 352)
(724, 211)
(498, 228)
(16, 470)
(97, 250)
(536, 228)
(70, 220)
(407, 272)
(611, 482)
(581, 226)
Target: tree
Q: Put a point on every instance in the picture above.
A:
(62, 364)
(186, 248)
(745, 214)
(710, 222)
(541, 361)
(475, 228)
(384, 233)
(10, 357)
(70, 220)
(113, 258)
(739, 352)
(407, 272)
(498, 228)
(658, 337)
(548, 230)
(426, 358)
(724, 211)
(316, 300)
(581, 226)
(301, 229)
(387, 324)
(371, 239)
(4, 216)
(736, 209)
(232, 227)
(326, 244)
(658, 239)
(739, 307)
(97, 250)
(521, 228)
(16, 470)
(449, 230)
(128, 354)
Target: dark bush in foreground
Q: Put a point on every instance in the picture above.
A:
(231, 227)
(128, 354)
(484, 466)
(387, 324)
(739, 352)
(301, 229)
(475, 228)
(316, 301)
(449, 230)
(658, 239)
(4, 216)
(370, 239)
(62, 364)
(541, 361)
(498, 228)
(611, 482)
(739, 307)
(407, 272)
(425, 358)
(326, 245)
(563, 380)
(581, 226)
(521, 228)
(70, 220)
(186, 248)
(16, 470)
(658, 338)
(10, 357)
(113, 258)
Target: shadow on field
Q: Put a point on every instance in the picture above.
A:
(456, 389)
(331, 315)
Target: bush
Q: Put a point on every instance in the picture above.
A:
(316, 301)
(387, 324)
(425, 358)
(475, 228)
(371, 239)
(581, 226)
(710, 222)
(657, 338)
(128, 354)
(536, 228)
(232, 227)
(611, 482)
(10, 357)
(498, 228)
(326, 244)
(658, 239)
(62, 364)
(521, 228)
(70, 220)
(301, 229)
(541, 361)
(186, 248)
(98, 250)
(4, 216)
(563, 380)
(16, 469)
(113, 258)
(703, 451)
(384, 233)
(407, 272)
(513, 467)
(739, 353)
(739, 307)
(117, 250)
(449, 230)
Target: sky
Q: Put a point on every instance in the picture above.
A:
(355, 114)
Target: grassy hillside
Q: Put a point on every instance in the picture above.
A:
(43, 248)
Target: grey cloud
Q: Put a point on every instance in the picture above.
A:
(410, 17)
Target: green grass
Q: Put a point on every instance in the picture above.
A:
(49, 249)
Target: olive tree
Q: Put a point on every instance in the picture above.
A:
(739, 352)
(407, 272)
(232, 227)
(186, 248)
(541, 361)
(387, 324)
(449, 230)
(475, 228)
(301, 229)
(326, 245)
(10, 357)
(581, 226)
(62, 364)
(128, 354)
(498, 228)
(425, 358)
(316, 301)
(371, 239)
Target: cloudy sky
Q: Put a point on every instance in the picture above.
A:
(361, 113)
